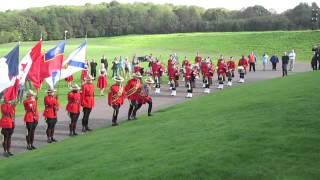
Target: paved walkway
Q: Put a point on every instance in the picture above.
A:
(101, 114)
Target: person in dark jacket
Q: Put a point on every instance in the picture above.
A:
(314, 63)
(285, 61)
(93, 68)
(274, 61)
(316, 50)
(105, 62)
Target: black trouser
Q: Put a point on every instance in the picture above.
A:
(314, 65)
(85, 118)
(51, 123)
(7, 133)
(31, 127)
(132, 109)
(115, 113)
(274, 66)
(73, 124)
(94, 73)
(157, 81)
(253, 65)
(285, 70)
(319, 62)
(149, 107)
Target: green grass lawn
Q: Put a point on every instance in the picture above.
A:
(208, 44)
(266, 130)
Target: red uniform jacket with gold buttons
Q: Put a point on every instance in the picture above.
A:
(31, 108)
(51, 107)
(133, 89)
(116, 95)
(73, 105)
(8, 111)
(87, 95)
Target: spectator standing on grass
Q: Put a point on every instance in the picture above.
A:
(104, 61)
(93, 68)
(252, 62)
(285, 61)
(292, 59)
(265, 58)
(316, 50)
(274, 61)
(114, 67)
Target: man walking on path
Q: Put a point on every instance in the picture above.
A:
(285, 61)
(292, 59)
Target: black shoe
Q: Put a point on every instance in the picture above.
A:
(53, 140)
(29, 147)
(134, 118)
(70, 134)
(115, 124)
(150, 114)
(33, 147)
(88, 129)
(10, 154)
(5, 154)
(75, 134)
(49, 141)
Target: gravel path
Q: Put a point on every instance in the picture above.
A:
(101, 114)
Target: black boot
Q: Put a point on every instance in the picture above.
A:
(28, 142)
(70, 129)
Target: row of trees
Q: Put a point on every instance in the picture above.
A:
(113, 19)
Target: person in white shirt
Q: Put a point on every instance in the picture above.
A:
(292, 59)
(265, 58)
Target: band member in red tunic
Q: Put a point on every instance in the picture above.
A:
(132, 89)
(156, 73)
(73, 108)
(116, 98)
(188, 73)
(102, 81)
(31, 117)
(50, 114)
(87, 102)
(173, 79)
(7, 125)
(69, 80)
(231, 65)
(144, 95)
(244, 63)
(204, 71)
(222, 70)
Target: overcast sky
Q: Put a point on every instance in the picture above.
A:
(278, 5)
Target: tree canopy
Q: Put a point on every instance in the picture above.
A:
(114, 19)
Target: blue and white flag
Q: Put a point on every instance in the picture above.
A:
(74, 63)
(9, 68)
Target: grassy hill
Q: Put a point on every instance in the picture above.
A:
(187, 44)
(267, 130)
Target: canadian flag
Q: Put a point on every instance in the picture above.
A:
(24, 68)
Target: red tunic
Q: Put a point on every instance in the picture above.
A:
(116, 95)
(51, 106)
(133, 89)
(222, 69)
(173, 73)
(102, 82)
(156, 68)
(84, 74)
(87, 95)
(231, 65)
(69, 79)
(8, 111)
(243, 62)
(204, 68)
(188, 73)
(73, 105)
(136, 69)
(31, 108)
